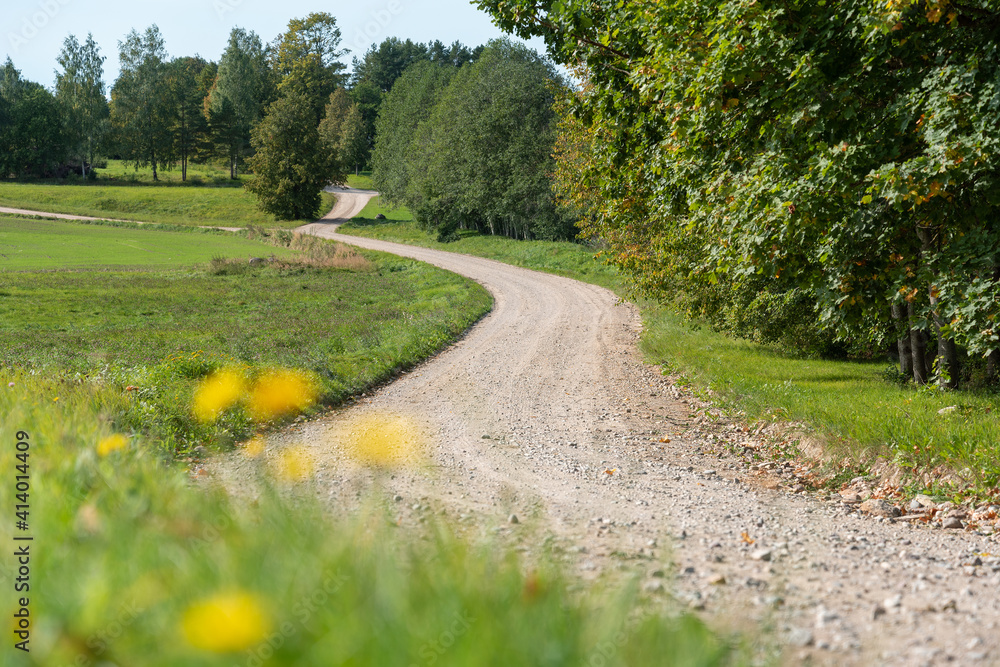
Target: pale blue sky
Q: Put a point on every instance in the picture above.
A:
(32, 31)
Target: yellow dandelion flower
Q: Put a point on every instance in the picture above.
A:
(226, 623)
(281, 393)
(216, 393)
(383, 439)
(253, 448)
(293, 465)
(112, 443)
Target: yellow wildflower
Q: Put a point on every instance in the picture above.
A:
(216, 393)
(280, 393)
(112, 443)
(226, 623)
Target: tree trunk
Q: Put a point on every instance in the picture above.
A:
(918, 350)
(903, 341)
(993, 366)
(947, 353)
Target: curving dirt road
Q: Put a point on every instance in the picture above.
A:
(546, 411)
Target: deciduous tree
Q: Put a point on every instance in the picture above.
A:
(141, 101)
(80, 92)
(291, 165)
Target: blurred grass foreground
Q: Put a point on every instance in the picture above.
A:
(130, 563)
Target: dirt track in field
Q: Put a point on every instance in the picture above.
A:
(546, 411)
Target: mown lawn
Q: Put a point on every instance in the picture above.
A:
(187, 205)
(35, 244)
(851, 406)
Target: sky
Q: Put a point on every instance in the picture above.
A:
(32, 31)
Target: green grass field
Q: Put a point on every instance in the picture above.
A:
(351, 320)
(190, 205)
(849, 405)
(31, 244)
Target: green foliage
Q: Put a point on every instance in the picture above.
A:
(31, 126)
(188, 124)
(140, 101)
(408, 104)
(291, 164)
(343, 131)
(733, 139)
(481, 158)
(80, 91)
(306, 60)
(242, 89)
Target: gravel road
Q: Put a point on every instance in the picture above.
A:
(546, 411)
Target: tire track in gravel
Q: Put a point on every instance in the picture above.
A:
(531, 409)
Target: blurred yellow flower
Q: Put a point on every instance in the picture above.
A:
(226, 623)
(253, 448)
(293, 465)
(280, 393)
(112, 443)
(383, 439)
(216, 393)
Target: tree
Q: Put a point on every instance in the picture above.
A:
(382, 65)
(483, 157)
(840, 148)
(291, 164)
(408, 104)
(353, 147)
(240, 93)
(31, 131)
(306, 58)
(80, 92)
(188, 124)
(141, 101)
(343, 130)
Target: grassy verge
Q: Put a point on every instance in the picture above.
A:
(362, 181)
(152, 333)
(851, 406)
(565, 259)
(169, 202)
